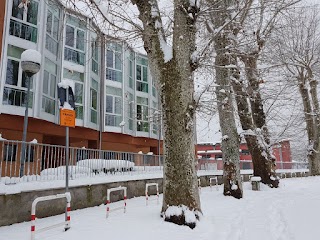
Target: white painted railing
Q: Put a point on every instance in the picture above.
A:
(47, 198)
(216, 182)
(157, 188)
(109, 191)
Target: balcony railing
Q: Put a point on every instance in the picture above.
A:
(16, 97)
(74, 56)
(24, 31)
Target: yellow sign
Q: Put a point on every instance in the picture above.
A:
(67, 118)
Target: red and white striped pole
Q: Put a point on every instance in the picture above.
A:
(68, 217)
(33, 225)
(108, 209)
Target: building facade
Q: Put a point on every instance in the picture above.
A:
(210, 156)
(116, 101)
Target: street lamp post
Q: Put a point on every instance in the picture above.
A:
(30, 64)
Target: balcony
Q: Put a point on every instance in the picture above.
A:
(16, 97)
(74, 56)
(24, 31)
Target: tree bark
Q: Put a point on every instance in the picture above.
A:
(311, 114)
(263, 165)
(223, 69)
(175, 77)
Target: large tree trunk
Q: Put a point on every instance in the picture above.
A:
(175, 76)
(258, 115)
(311, 114)
(263, 165)
(230, 139)
(254, 123)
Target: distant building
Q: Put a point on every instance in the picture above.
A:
(210, 156)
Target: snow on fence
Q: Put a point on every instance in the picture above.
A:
(124, 189)
(47, 198)
(216, 182)
(157, 188)
(106, 165)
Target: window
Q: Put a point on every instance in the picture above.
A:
(78, 79)
(16, 81)
(75, 40)
(218, 156)
(246, 165)
(95, 57)
(245, 152)
(113, 106)
(142, 75)
(206, 156)
(49, 87)
(10, 152)
(24, 19)
(94, 101)
(52, 28)
(114, 62)
(142, 114)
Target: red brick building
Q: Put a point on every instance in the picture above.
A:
(210, 155)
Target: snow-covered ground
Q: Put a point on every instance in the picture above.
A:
(290, 212)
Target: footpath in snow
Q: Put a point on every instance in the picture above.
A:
(290, 212)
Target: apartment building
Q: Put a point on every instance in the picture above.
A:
(116, 100)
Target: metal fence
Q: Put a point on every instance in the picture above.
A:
(47, 162)
(43, 162)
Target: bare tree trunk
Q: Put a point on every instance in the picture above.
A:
(258, 115)
(311, 114)
(315, 156)
(263, 166)
(230, 137)
(175, 75)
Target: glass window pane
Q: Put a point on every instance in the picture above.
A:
(109, 104)
(118, 105)
(49, 22)
(55, 32)
(15, 51)
(78, 92)
(94, 99)
(69, 36)
(53, 86)
(109, 59)
(79, 112)
(32, 16)
(138, 69)
(16, 11)
(12, 72)
(80, 40)
(118, 62)
(45, 88)
(145, 74)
